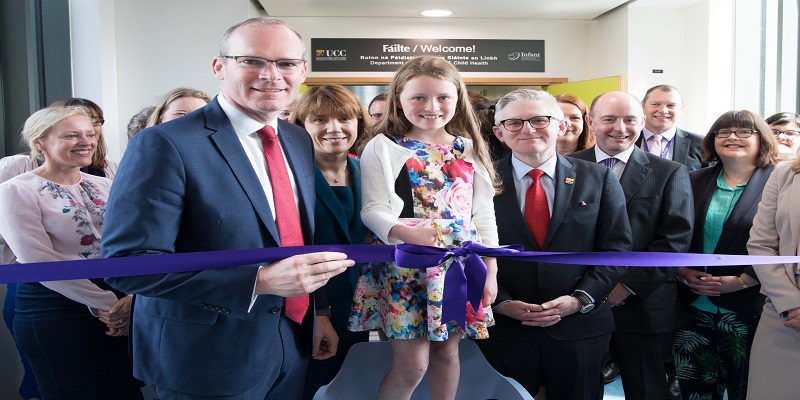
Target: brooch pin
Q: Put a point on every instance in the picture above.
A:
(569, 181)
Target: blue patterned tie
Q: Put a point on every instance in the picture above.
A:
(610, 162)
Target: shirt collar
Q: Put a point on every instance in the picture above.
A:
(521, 169)
(243, 125)
(599, 155)
(666, 135)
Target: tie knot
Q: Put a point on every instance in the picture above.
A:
(535, 174)
(656, 137)
(266, 133)
(610, 162)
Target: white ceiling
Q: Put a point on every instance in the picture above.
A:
(525, 9)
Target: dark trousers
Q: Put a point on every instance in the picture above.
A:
(322, 372)
(27, 388)
(67, 347)
(570, 369)
(641, 363)
(712, 353)
(291, 364)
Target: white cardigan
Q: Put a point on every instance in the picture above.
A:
(381, 162)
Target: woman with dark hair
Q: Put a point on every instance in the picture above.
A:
(786, 128)
(578, 136)
(337, 123)
(722, 304)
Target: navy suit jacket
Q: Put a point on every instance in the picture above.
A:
(588, 215)
(686, 149)
(733, 238)
(658, 198)
(187, 186)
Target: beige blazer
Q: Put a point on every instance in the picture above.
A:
(775, 231)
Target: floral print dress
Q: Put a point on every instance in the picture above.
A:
(407, 303)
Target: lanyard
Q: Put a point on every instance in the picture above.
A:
(664, 151)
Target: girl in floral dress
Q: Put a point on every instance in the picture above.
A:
(427, 179)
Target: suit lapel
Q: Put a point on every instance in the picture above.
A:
(358, 225)
(636, 171)
(680, 147)
(328, 199)
(794, 216)
(748, 200)
(702, 196)
(301, 162)
(510, 205)
(231, 149)
(563, 195)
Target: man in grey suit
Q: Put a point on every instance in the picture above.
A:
(662, 105)
(660, 209)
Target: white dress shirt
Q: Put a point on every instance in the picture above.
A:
(245, 128)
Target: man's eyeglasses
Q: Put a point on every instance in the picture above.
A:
(741, 133)
(790, 134)
(540, 122)
(252, 63)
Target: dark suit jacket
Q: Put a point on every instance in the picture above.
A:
(732, 240)
(588, 215)
(333, 228)
(186, 186)
(686, 149)
(658, 198)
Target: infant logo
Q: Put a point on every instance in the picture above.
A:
(525, 56)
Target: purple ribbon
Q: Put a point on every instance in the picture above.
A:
(462, 282)
(181, 262)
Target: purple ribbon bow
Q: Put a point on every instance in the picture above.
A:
(462, 282)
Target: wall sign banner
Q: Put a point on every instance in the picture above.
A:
(386, 55)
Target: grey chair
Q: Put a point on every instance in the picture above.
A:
(367, 363)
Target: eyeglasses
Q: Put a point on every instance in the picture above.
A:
(540, 122)
(252, 63)
(790, 134)
(98, 121)
(741, 133)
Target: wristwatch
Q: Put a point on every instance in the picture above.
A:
(586, 303)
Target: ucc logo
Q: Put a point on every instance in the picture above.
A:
(331, 53)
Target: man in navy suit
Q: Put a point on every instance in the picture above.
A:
(553, 324)
(203, 183)
(658, 198)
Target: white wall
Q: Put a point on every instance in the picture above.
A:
(158, 46)
(608, 45)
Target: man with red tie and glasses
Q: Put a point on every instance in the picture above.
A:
(227, 176)
(553, 324)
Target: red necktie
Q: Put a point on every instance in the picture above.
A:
(286, 217)
(537, 212)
